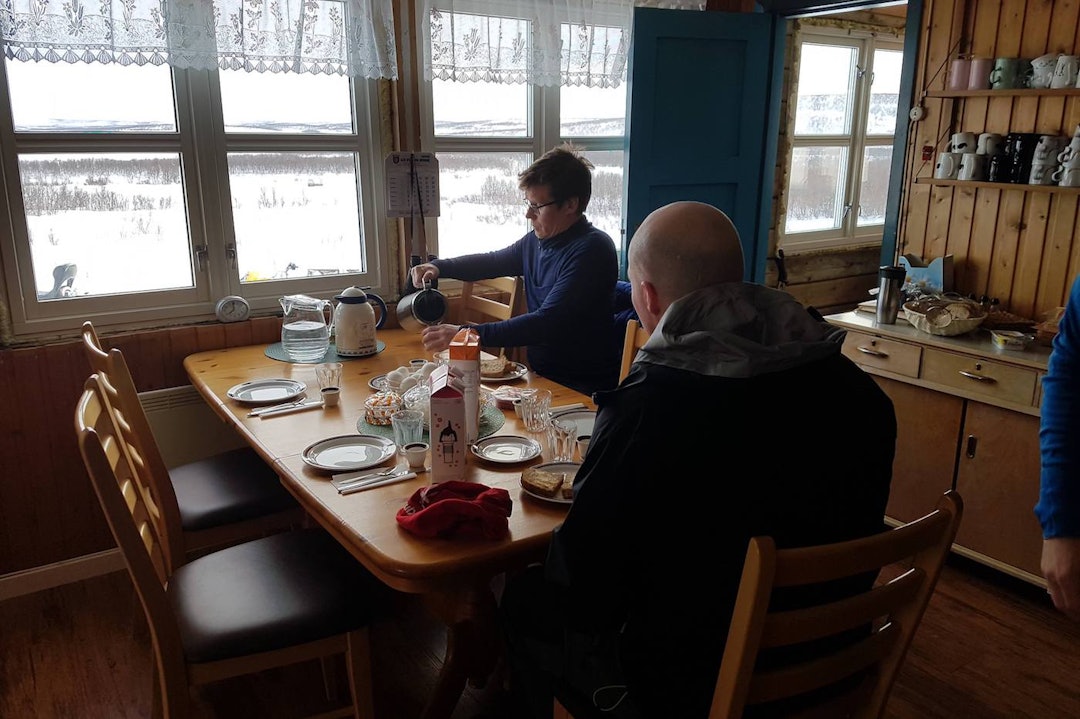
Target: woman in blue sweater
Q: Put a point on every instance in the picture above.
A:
(1058, 509)
(570, 270)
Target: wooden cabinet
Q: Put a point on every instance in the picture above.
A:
(967, 419)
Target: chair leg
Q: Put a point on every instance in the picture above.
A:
(358, 666)
(329, 677)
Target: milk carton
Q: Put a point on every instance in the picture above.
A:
(465, 364)
(447, 429)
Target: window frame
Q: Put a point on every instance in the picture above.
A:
(202, 145)
(543, 130)
(849, 234)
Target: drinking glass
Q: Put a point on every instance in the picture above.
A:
(535, 407)
(328, 374)
(408, 425)
(562, 435)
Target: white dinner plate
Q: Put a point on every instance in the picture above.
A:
(349, 452)
(506, 449)
(512, 371)
(568, 467)
(583, 418)
(266, 391)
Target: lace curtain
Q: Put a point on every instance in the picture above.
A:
(541, 42)
(343, 37)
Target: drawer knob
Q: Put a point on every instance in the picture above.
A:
(977, 377)
(872, 352)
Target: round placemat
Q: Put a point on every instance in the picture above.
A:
(491, 421)
(277, 352)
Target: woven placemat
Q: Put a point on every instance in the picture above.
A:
(491, 421)
(277, 352)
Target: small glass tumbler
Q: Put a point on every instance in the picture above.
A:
(408, 426)
(562, 436)
(535, 407)
(328, 374)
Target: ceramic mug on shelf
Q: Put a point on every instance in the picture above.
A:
(979, 76)
(1010, 73)
(1041, 175)
(1067, 176)
(962, 142)
(958, 74)
(972, 167)
(1042, 70)
(990, 143)
(1066, 71)
(1047, 149)
(948, 165)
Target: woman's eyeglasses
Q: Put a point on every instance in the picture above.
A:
(535, 207)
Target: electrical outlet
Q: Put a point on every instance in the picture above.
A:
(927, 153)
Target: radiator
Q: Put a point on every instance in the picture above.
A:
(185, 427)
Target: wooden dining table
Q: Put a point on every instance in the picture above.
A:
(454, 575)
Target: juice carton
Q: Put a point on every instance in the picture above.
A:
(465, 363)
(447, 426)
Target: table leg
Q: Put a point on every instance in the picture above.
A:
(473, 645)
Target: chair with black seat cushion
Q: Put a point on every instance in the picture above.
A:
(270, 602)
(835, 657)
(220, 500)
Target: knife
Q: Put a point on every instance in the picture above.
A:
(369, 484)
(299, 407)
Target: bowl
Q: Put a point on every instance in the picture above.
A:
(946, 318)
(1011, 339)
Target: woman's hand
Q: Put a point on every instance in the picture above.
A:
(425, 271)
(438, 337)
(1061, 567)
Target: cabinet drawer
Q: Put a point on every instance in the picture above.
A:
(993, 379)
(881, 353)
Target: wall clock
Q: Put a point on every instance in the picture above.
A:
(232, 309)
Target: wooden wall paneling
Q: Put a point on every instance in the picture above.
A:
(238, 334)
(1057, 252)
(1029, 256)
(210, 337)
(937, 222)
(266, 329)
(67, 369)
(32, 469)
(1035, 33)
(152, 371)
(960, 228)
(14, 491)
(182, 342)
(974, 270)
(1006, 239)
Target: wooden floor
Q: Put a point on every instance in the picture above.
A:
(987, 647)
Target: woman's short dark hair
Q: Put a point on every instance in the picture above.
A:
(566, 173)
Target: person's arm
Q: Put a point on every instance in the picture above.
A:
(1058, 509)
(484, 265)
(585, 279)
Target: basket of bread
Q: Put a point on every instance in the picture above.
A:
(945, 316)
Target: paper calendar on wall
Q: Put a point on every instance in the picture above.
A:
(412, 184)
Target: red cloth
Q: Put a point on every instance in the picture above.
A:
(465, 510)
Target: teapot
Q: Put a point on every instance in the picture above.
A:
(355, 323)
(305, 328)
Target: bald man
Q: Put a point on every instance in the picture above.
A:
(739, 418)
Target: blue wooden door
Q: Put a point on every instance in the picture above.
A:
(703, 118)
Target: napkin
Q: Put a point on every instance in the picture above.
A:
(455, 509)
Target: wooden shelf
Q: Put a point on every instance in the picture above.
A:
(1021, 92)
(997, 185)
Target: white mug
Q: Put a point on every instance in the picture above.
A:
(948, 165)
(989, 143)
(1047, 149)
(1066, 71)
(972, 167)
(1069, 177)
(962, 142)
(1042, 70)
(1041, 175)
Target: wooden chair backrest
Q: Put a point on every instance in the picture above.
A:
(473, 304)
(893, 609)
(129, 508)
(133, 428)
(636, 336)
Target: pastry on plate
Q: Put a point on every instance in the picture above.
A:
(543, 482)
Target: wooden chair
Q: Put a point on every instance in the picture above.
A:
(860, 672)
(223, 499)
(474, 305)
(636, 336)
(223, 614)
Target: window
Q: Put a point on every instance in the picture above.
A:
(144, 193)
(845, 118)
(486, 132)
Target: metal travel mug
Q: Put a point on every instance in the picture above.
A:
(891, 279)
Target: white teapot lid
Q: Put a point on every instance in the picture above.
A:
(352, 296)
